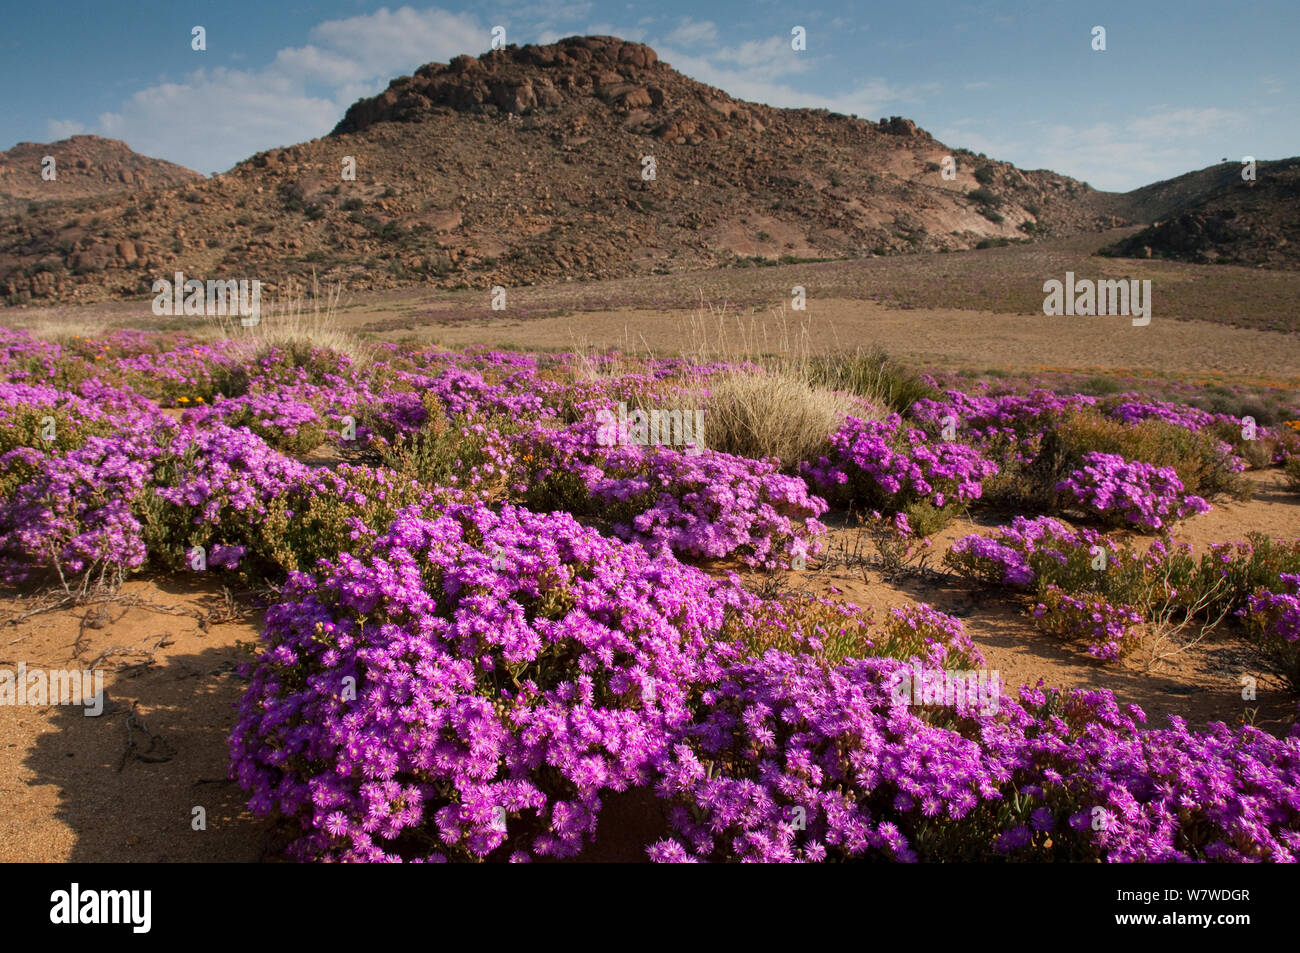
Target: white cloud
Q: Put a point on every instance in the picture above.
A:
(1182, 123)
(1110, 156)
(381, 40)
(772, 57)
(56, 129)
(871, 99)
(690, 32)
(211, 119)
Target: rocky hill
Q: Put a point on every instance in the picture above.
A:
(1215, 216)
(84, 166)
(587, 158)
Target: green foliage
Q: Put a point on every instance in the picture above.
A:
(799, 623)
(1291, 472)
(874, 375)
(1201, 464)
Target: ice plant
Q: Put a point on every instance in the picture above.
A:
(480, 679)
(1130, 492)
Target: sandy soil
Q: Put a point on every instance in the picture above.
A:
(122, 786)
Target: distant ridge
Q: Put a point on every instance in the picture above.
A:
(1214, 216)
(586, 158)
(84, 166)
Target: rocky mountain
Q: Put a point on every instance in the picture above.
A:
(586, 158)
(1217, 216)
(83, 167)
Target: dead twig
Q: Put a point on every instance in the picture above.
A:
(157, 752)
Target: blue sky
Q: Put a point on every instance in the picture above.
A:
(1181, 84)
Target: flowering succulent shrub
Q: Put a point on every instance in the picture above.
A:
(72, 512)
(153, 492)
(1291, 469)
(1135, 409)
(1087, 586)
(1035, 553)
(1017, 416)
(1128, 492)
(1252, 564)
(811, 764)
(71, 470)
(705, 505)
(1111, 631)
(214, 487)
(709, 506)
(506, 666)
(1156, 795)
(468, 453)
(834, 631)
(793, 761)
(292, 426)
(889, 468)
(1204, 464)
(1274, 617)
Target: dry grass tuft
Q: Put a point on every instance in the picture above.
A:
(298, 323)
(773, 414)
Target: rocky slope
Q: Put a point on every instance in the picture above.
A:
(1214, 216)
(84, 166)
(533, 164)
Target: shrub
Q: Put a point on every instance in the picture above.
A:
(1204, 465)
(885, 467)
(1291, 471)
(1113, 631)
(1041, 553)
(709, 506)
(292, 426)
(463, 450)
(759, 415)
(1274, 618)
(1127, 493)
(790, 761)
(1254, 564)
(873, 376)
(475, 685)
